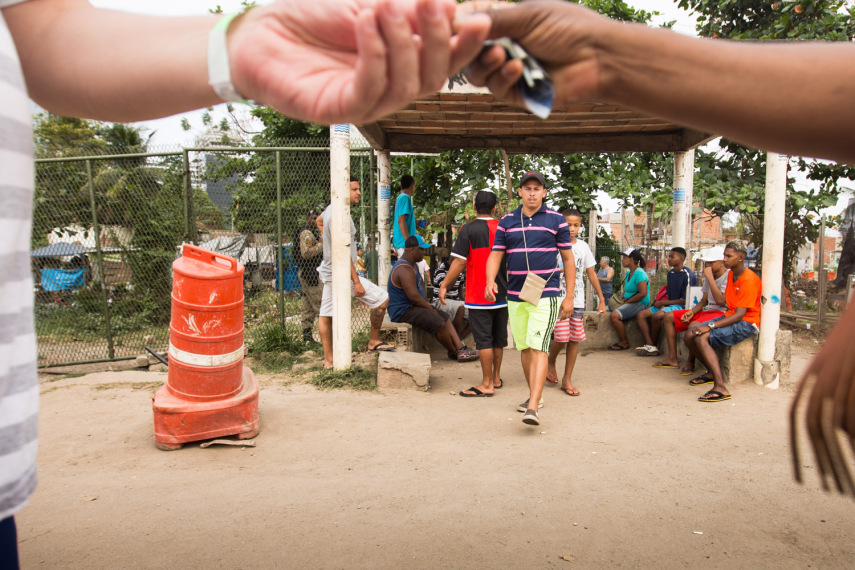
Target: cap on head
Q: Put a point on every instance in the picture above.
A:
(532, 174)
(738, 245)
(628, 251)
(416, 241)
(485, 201)
(713, 254)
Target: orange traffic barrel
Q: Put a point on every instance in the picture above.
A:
(208, 392)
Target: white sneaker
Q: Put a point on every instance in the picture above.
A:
(524, 406)
(646, 350)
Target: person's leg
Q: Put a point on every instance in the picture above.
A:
(620, 329)
(668, 324)
(325, 330)
(457, 321)
(498, 354)
(555, 349)
(656, 326)
(541, 323)
(376, 299)
(643, 321)
(694, 349)
(8, 544)
(569, 363)
(538, 361)
(710, 360)
(447, 336)
(325, 324)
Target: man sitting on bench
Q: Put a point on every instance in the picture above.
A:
(741, 321)
(407, 302)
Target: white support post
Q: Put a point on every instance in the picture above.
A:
(340, 244)
(766, 368)
(384, 199)
(684, 174)
(690, 199)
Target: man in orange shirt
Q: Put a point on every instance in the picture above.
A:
(741, 321)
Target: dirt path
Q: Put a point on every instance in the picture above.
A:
(634, 473)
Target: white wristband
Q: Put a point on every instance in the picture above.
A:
(219, 71)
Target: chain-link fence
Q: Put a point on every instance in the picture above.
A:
(107, 228)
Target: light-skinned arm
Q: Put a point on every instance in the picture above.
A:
(569, 259)
(323, 61)
(756, 93)
(494, 261)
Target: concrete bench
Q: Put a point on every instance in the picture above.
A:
(737, 362)
(403, 370)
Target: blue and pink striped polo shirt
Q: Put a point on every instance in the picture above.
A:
(545, 233)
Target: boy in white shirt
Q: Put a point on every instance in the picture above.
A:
(571, 331)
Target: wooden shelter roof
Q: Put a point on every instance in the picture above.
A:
(466, 117)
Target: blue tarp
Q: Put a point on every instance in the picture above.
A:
(63, 279)
(59, 249)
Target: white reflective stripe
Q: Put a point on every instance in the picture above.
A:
(205, 359)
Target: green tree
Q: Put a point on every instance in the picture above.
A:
(734, 179)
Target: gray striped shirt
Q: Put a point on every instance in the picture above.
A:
(19, 390)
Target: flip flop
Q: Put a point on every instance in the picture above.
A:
(701, 380)
(477, 393)
(382, 347)
(617, 346)
(500, 386)
(552, 378)
(660, 365)
(569, 392)
(714, 396)
(687, 371)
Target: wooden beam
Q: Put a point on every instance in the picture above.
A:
(375, 136)
(669, 141)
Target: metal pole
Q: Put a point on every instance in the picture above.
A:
(822, 277)
(766, 368)
(340, 245)
(362, 234)
(187, 195)
(280, 246)
(683, 178)
(384, 197)
(111, 353)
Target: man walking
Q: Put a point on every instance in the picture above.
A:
(532, 236)
(364, 290)
(307, 250)
(404, 221)
(488, 318)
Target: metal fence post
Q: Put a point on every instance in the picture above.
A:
(822, 276)
(187, 190)
(100, 257)
(279, 245)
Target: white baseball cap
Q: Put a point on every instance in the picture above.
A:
(713, 254)
(628, 251)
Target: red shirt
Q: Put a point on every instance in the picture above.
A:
(744, 292)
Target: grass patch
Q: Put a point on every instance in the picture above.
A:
(354, 378)
(276, 349)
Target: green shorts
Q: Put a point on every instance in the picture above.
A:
(532, 326)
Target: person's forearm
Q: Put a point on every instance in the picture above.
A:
(402, 225)
(454, 270)
(755, 93)
(146, 66)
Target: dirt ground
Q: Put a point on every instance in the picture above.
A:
(634, 473)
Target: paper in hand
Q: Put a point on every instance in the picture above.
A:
(535, 86)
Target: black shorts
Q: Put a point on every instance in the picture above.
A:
(489, 327)
(426, 319)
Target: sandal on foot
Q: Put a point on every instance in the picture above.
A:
(552, 378)
(617, 346)
(662, 365)
(501, 384)
(687, 371)
(571, 391)
(714, 396)
(701, 380)
(382, 347)
(476, 393)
